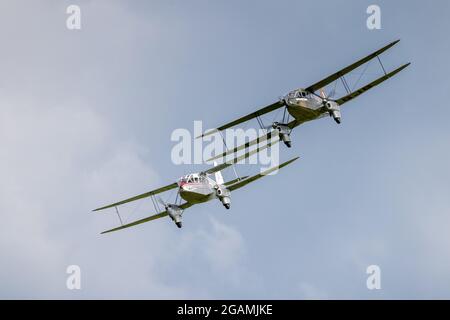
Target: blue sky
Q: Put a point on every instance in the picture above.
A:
(86, 118)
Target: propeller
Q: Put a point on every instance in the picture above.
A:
(269, 127)
(330, 94)
(173, 211)
(161, 201)
(331, 107)
(326, 98)
(272, 126)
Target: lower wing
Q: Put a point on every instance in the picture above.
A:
(164, 213)
(150, 218)
(244, 182)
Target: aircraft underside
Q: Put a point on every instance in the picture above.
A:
(196, 196)
(303, 113)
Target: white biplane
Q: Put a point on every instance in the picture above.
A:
(195, 188)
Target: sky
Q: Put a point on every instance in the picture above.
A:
(86, 118)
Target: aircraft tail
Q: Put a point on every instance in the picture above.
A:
(218, 175)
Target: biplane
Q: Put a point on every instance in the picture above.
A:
(308, 104)
(195, 188)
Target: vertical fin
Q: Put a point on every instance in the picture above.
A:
(218, 175)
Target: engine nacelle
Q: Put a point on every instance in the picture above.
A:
(284, 133)
(336, 114)
(224, 195)
(175, 213)
(334, 110)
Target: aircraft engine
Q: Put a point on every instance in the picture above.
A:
(284, 133)
(334, 111)
(224, 196)
(175, 213)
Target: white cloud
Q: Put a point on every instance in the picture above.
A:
(81, 116)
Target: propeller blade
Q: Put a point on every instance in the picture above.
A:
(331, 94)
(161, 201)
(322, 93)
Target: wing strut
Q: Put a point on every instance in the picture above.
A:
(285, 116)
(141, 196)
(345, 84)
(381, 64)
(260, 122)
(374, 83)
(155, 203)
(226, 147)
(118, 214)
(322, 83)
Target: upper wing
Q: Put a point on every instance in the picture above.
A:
(340, 73)
(250, 116)
(244, 182)
(267, 136)
(141, 196)
(374, 83)
(237, 159)
(154, 217)
(316, 86)
(234, 181)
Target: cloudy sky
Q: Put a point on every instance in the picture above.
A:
(86, 118)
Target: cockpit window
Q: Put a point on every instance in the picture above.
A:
(193, 178)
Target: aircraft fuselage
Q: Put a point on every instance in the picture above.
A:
(197, 192)
(305, 106)
(196, 188)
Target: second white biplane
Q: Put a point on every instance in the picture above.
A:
(195, 188)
